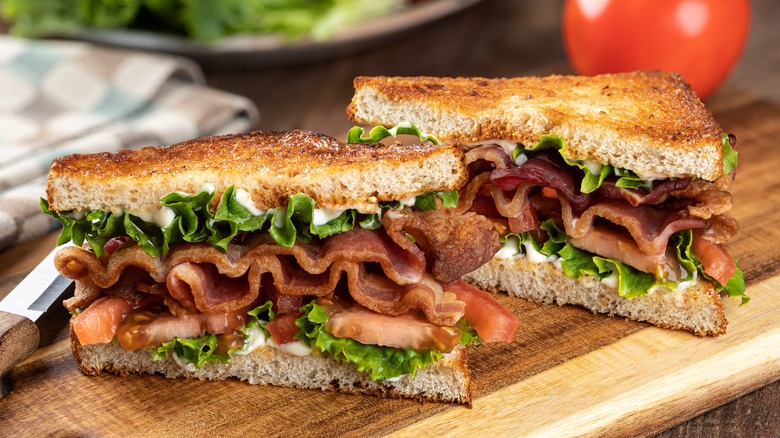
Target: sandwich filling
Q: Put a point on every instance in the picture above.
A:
(380, 290)
(639, 232)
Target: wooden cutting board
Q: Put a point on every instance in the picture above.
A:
(567, 372)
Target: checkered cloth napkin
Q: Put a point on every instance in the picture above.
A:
(59, 98)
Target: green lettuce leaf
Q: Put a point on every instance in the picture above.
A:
(735, 287)
(197, 351)
(202, 350)
(202, 20)
(259, 317)
(631, 282)
(729, 156)
(194, 222)
(468, 336)
(378, 133)
(381, 363)
(427, 201)
(590, 181)
(630, 180)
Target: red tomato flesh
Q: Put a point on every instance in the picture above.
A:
(700, 39)
(717, 262)
(99, 322)
(492, 321)
(283, 328)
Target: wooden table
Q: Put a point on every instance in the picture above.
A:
(495, 38)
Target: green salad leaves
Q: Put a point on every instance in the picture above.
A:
(735, 287)
(595, 173)
(200, 20)
(379, 133)
(381, 363)
(192, 221)
(729, 156)
(631, 282)
(202, 350)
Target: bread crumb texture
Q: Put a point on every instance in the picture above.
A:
(647, 121)
(270, 165)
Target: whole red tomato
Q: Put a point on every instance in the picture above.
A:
(700, 39)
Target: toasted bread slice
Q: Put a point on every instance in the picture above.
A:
(447, 380)
(270, 165)
(650, 122)
(697, 308)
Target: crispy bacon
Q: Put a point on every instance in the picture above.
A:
(454, 243)
(649, 227)
(313, 269)
(544, 172)
(491, 153)
(636, 197)
(649, 218)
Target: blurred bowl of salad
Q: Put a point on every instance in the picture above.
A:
(228, 33)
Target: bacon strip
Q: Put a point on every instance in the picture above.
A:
(648, 218)
(637, 197)
(492, 153)
(545, 173)
(454, 243)
(650, 227)
(299, 270)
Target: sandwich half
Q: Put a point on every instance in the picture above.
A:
(612, 192)
(283, 258)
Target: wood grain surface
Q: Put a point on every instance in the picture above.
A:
(567, 372)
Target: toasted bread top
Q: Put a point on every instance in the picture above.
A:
(647, 121)
(270, 165)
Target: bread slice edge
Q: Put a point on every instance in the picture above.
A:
(447, 380)
(673, 148)
(698, 308)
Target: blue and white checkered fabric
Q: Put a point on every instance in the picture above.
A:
(59, 98)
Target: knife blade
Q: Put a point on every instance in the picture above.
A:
(19, 310)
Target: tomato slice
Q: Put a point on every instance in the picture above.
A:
(283, 328)
(716, 261)
(492, 321)
(411, 330)
(99, 322)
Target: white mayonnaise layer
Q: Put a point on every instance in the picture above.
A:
(162, 217)
(322, 216)
(187, 366)
(256, 340)
(245, 200)
(511, 248)
(408, 201)
(296, 347)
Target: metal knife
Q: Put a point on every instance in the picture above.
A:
(19, 310)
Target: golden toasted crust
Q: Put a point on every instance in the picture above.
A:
(270, 165)
(650, 122)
